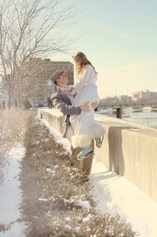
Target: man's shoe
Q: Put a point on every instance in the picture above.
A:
(85, 151)
(99, 141)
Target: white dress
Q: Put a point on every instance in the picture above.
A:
(84, 127)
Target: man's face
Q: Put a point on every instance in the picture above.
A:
(62, 80)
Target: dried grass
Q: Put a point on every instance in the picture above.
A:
(12, 128)
(56, 202)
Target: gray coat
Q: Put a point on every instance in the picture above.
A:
(63, 103)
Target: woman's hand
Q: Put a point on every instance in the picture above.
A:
(68, 93)
(94, 105)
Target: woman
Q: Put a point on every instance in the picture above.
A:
(84, 127)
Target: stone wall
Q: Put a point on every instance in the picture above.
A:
(128, 149)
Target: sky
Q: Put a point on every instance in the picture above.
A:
(113, 193)
(119, 38)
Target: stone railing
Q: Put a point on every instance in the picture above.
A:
(127, 149)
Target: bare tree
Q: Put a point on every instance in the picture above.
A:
(29, 29)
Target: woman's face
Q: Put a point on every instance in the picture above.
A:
(77, 59)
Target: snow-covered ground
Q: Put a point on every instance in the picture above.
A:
(114, 194)
(10, 195)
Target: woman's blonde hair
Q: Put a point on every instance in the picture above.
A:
(81, 61)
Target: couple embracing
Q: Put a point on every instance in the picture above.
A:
(77, 105)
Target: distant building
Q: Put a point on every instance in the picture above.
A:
(40, 71)
(144, 95)
(124, 98)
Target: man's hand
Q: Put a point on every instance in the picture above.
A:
(85, 107)
(94, 105)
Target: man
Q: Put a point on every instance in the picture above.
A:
(64, 104)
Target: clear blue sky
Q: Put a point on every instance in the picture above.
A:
(120, 39)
